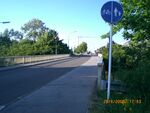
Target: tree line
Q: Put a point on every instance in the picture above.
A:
(33, 39)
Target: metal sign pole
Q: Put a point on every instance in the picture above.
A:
(110, 53)
(110, 57)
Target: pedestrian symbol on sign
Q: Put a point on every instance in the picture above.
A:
(112, 12)
(116, 12)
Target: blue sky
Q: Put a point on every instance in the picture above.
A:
(65, 16)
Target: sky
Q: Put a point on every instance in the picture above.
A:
(74, 20)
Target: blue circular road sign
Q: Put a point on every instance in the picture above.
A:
(112, 12)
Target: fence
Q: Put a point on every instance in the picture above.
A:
(13, 60)
(101, 81)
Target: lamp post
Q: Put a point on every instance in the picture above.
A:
(56, 46)
(69, 36)
(5, 22)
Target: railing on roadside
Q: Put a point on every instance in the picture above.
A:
(101, 76)
(13, 60)
(102, 82)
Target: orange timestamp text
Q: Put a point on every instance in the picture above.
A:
(125, 101)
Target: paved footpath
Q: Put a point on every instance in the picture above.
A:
(70, 93)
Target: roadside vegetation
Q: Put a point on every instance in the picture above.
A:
(130, 62)
(34, 38)
(82, 48)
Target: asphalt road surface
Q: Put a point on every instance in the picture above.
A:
(17, 83)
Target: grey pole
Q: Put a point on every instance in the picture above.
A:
(78, 40)
(5, 22)
(69, 37)
(109, 67)
(56, 46)
(110, 54)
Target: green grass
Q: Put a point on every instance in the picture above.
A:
(121, 103)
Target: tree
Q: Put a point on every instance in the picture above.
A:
(25, 47)
(82, 48)
(62, 48)
(136, 25)
(118, 56)
(44, 44)
(15, 34)
(5, 43)
(5, 38)
(33, 29)
(49, 42)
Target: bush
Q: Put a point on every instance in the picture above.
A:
(136, 79)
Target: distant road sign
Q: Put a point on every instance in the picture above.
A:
(112, 12)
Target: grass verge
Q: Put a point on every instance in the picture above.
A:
(119, 103)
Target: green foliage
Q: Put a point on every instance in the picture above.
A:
(43, 44)
(38, 40)
(114, 31)
(118, 56)
(33, 29)
(5, 43)
(15, 34)
(82, 48)
(137, 80)
(136, 21)
(137, 85)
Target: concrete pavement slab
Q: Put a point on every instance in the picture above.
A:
(70, 93)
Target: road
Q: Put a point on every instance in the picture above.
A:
(17, 83)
